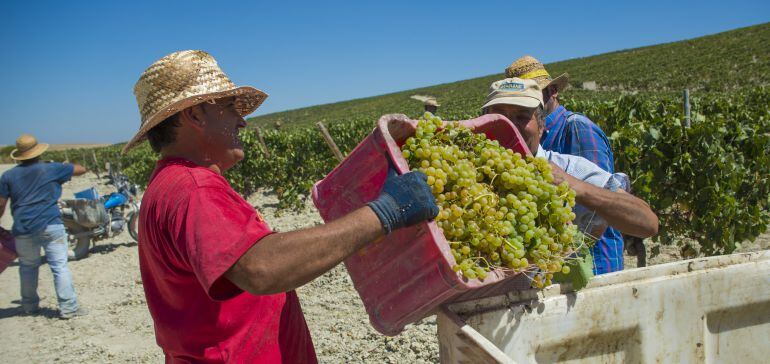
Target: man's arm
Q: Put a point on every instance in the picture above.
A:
(78, 170)
(3, 201)
(626, 212)
(284, 261)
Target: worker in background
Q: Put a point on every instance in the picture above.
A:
(431, 106)
(521, 101)
(568, 132)
(34, 189)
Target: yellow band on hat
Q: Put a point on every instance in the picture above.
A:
(535, 73)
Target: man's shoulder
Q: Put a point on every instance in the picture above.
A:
(576, 117)
(4, 176)
(7, 173)
(580, 121)
(184, 178)
(203, 177)
(12, 170)
(12, 173)
(56, 167)
(563, 159)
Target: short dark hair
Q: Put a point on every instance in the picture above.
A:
(164, 133)
(30, 161)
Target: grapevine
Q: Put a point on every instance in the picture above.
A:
(708, 183)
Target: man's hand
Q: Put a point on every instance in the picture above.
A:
(78, 170)
(405, 200)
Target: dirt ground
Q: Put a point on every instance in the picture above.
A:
(119, 328)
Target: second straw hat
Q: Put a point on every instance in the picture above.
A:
(530, 68)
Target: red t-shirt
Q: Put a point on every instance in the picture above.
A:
(192, 228)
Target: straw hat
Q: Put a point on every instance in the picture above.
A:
(529, 67)
(27, 147)
(183, 79)
(515, 91)
(431, 102)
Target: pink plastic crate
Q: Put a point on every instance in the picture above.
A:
(7, 249)
(404, 276)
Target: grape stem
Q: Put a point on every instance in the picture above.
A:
(476, 198)
(476, 259)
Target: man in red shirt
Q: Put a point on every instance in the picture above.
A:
(219, 283)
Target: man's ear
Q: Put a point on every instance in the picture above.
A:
(554, 92)
(193, 116)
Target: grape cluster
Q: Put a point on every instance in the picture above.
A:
(498, 210)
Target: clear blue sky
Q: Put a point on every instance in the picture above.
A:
(67, 68)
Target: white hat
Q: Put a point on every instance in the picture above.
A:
(515, 91)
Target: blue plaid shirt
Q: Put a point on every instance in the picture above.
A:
(576, 134)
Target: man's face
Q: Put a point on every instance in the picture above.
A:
(220, 132)
(525, 121)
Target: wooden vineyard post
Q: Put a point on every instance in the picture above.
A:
(635, 247)
(262, 142)
(329, 141)
(96, 164)
(687, 107)
(66, 157)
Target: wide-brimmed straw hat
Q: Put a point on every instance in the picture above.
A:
(515, 91)
(183, 79)
(529, 67)
(27, 147)
(431, 102)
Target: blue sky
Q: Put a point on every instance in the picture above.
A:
(67, 68)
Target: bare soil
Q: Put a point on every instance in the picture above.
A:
(119, 328)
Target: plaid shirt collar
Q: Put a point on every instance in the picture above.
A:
(558, 116)
(554, 123)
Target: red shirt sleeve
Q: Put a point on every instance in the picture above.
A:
(218, 228)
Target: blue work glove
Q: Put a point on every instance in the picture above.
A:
(405, 200)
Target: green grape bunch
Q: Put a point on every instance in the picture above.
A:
(498, 209)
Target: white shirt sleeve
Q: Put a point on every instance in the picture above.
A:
(580, 168)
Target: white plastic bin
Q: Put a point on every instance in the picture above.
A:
(706, 310)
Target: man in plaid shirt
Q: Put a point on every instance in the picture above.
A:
(568, 132)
